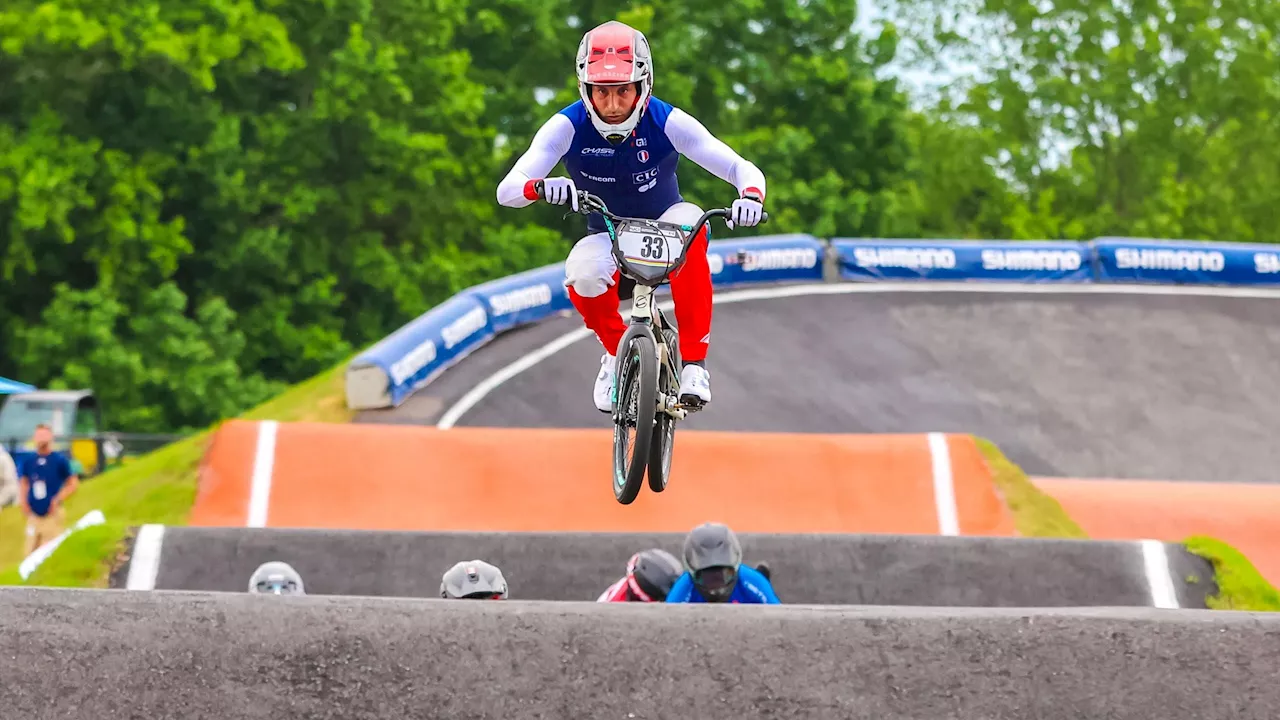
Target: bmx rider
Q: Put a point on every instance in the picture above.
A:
(715, 572)
(622, 143)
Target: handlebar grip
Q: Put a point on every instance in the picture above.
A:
(727, 213)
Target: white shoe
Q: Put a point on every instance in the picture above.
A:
(695, 382)
(603, 392)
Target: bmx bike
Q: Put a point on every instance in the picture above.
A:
(646, 396)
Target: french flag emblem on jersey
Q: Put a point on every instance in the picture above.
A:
(643, 155)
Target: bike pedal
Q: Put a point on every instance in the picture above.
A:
(690, 403)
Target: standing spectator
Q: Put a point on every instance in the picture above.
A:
(47, 481)
(8, 479)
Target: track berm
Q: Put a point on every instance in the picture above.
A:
(882, 626)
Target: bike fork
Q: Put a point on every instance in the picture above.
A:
(643, 312)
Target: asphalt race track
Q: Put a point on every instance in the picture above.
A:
(806, 568)
(873, 626)
(1089, 384)
(100, 654)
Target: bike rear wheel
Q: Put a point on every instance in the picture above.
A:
(635, 409)
(664, 426)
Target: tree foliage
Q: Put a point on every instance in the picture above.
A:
(204, 200)
(1153, 118)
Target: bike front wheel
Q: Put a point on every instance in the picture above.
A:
(633, 416)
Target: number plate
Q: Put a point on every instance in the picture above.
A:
(650, 246)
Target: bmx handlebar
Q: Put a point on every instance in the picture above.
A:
(588, 203)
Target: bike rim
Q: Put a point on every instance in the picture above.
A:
(628, 401)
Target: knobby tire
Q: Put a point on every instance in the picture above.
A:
(638, 379)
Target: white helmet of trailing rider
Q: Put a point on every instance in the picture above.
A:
(276, 578)
(615, 53)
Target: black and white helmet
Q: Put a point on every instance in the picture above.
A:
(712, 554)
(473, 580)
(276, 578)
(651, 573)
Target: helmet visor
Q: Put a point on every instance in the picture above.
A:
(277, 586)
(611, 56)
(716, 583)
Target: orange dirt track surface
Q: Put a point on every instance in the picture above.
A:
(394, 477)
(1243, 515)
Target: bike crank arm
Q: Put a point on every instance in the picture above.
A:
(675, 409)
(672, 408)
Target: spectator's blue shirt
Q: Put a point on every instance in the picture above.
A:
(45, 476)
(752, 587)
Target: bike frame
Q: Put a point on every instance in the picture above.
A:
(655, 378)
(646, 319)
(645, 322)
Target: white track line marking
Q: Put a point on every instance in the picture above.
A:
(144, 563)
(944, 490)
(264, 460)
(1159, 577)
(478, 393)
(489, 384)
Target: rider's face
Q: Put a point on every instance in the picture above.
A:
(614, 102)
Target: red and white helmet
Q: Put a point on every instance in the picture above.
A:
(615, 53)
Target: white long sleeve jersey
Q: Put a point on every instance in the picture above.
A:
(636, 178)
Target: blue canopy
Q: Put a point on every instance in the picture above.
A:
(9, 387)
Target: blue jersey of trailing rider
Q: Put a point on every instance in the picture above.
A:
(752, 587)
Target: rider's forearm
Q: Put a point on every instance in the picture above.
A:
(549, 144)
(692, 139)
(511, 191)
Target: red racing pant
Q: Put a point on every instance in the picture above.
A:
(592, 276)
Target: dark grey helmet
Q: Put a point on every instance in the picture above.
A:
(473, 580)
(712, 555)
(276, 578)
(651, 573)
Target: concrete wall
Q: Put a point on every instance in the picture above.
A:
(82, 654)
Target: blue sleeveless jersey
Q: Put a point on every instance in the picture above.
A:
(636, 178)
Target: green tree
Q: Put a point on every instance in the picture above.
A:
(309, 175)
(201, 200)
(1152, 117)
(787, 84)
(154, 368)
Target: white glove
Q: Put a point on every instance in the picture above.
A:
(559, 190)
(746, 212)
